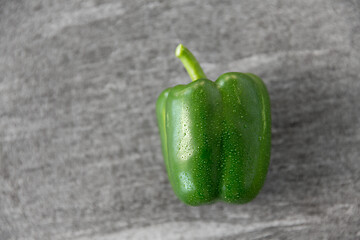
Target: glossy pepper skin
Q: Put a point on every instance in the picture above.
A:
(216, 136)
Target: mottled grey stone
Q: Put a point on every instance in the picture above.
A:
(80, 154)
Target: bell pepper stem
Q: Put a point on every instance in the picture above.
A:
(190, 63)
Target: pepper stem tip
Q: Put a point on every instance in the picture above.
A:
(179, 49)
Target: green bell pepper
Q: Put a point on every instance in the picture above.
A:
(216, 136)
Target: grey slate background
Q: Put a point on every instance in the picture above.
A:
(80, 153)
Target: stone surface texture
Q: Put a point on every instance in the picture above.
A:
(80, 154)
